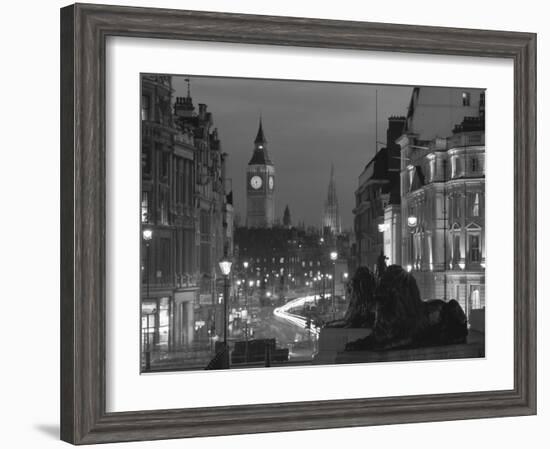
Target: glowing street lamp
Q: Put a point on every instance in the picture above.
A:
(147, 235)
(333, 257)
(225, 268)
(412, 221)
(245, 266)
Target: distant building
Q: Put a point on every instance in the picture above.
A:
(287, 222)
(331, 222)
(260, 185)
(443, 194)
(281, 259)
(377, 209)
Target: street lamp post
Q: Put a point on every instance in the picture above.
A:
(245, 265)
(147, 237)
(225, 268)
(250, 285)
(333, 257)
(148, 341)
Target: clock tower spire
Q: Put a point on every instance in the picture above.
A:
(260, 185)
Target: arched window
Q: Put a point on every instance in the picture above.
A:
(475, 297)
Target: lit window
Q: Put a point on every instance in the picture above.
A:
(475, 255)
(475, 209)
(453, 166)
(465, 99)
(145, 107)
(456, 248)
(144, 206)
(475, 298)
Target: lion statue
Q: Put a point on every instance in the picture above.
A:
(391, 305)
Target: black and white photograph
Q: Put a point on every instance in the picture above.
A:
(309, 223)
(275, 224)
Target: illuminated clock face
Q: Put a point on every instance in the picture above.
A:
(271, 182)
(256, 182)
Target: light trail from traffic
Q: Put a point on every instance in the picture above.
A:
(298, 320)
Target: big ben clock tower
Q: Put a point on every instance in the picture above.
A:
(260, 185)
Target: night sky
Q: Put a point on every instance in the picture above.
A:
(308, 126)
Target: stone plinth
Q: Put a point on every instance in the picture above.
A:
(477, 320)
(332, 340)
(460, 351)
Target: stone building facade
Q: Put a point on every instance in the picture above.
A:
(377, 203)
(443, 196)
(186, 209)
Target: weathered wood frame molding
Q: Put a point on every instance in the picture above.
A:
(84, 29)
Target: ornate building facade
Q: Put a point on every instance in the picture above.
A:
(260, 185)
(186, 217)
(443, 197)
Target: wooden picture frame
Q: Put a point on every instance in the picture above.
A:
(84, 29)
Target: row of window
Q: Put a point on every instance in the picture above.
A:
(454, 208)
(473, 205)
(163, 206)
(454, 256)
(290, 260)
(460, 166)
(162, 110)
(467, 99)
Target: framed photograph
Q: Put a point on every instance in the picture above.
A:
(274, 223)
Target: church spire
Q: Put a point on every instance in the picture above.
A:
(331, 214)
(260, 138)
(287, 222)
